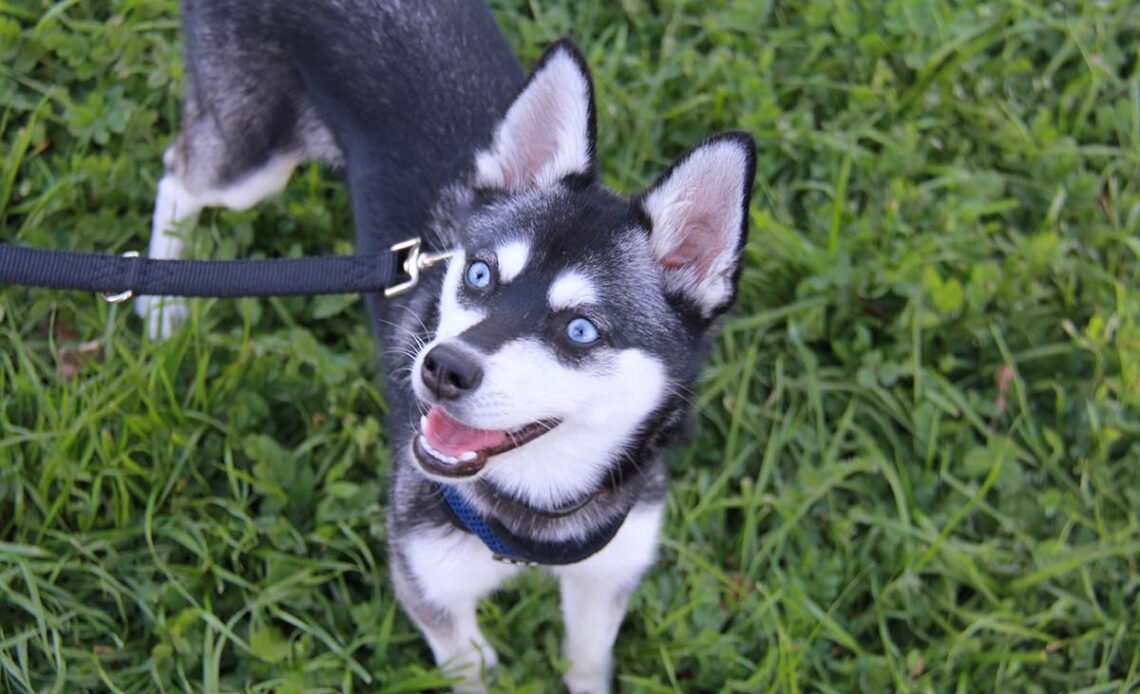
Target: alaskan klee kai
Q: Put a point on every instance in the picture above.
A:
(548, 367)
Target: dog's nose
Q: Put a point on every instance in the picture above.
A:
(449, 372)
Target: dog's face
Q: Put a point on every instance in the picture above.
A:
(570, 316)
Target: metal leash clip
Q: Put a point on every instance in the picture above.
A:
(415, 261)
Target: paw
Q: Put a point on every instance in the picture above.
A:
(589, 680)
(470, 685)
(163, 314)
(474, 669)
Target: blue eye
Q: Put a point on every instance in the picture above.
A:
(479, 274)
(582, 331)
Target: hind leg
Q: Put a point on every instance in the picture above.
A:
(182, 194)
(174, 206)
(246, 124)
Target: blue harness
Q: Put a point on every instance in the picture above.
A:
(510, 548)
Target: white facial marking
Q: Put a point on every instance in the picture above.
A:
(512, 259)
(454, 317)
(571, 289)
(601, 406)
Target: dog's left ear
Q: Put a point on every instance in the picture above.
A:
(698, 218)
(548, 132)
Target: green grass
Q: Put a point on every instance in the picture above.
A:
(918, 461)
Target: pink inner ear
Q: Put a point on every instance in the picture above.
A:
(545, 134)
(538, 148)
(700, 244)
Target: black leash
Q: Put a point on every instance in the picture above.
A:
(119, 277)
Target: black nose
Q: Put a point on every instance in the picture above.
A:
(449, 372)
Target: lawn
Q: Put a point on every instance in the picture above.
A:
(917, 466)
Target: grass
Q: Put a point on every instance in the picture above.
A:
(918, 461)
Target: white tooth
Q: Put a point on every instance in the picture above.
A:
(469, 456)
(423, 422)
(438, 455)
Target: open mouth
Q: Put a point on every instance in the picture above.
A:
(446, 447)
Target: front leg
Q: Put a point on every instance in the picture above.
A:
(439, 576)
(594, 597)
(593, 612)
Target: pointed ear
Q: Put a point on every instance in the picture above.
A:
(698, 218)
(548, 132)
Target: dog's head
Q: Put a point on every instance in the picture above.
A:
(570, 317)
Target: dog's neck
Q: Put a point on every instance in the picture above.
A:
(513, 548)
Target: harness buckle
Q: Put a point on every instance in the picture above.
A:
(120, 297)
(415, 261)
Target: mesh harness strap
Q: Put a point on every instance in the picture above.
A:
(515, 549)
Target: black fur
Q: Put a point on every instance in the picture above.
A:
(403, 114)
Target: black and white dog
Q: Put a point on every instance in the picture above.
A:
(547, 370)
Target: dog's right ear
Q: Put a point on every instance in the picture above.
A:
(548, 132)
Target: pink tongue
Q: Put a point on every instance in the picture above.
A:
(454, 438)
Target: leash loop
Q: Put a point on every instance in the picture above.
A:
(122, 296)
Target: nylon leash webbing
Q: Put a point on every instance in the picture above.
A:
(128, 275)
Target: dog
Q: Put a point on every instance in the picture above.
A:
(545, 371)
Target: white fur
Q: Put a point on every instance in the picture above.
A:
(571, 289)
(600, 407)
(697, 220)
(176, 205)
(256, 186)
(543, 138)
(512, 259)
(545, 134)
(594, 596)
(600, 404)
(173, 206)
(453, 570)
(454, 318)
